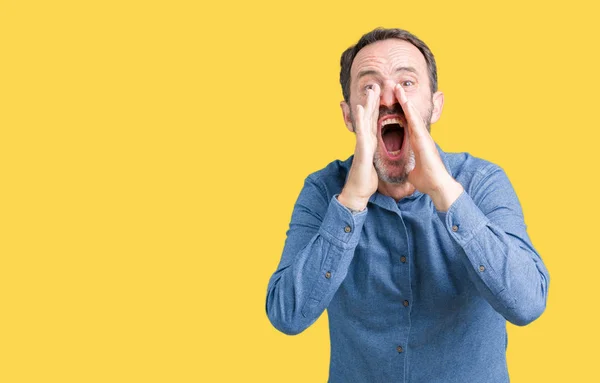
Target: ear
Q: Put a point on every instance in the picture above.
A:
(346, 112)
(438, 105)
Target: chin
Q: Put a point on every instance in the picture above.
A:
(394, 172)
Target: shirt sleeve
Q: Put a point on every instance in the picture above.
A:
(488, 225)
(319, 247)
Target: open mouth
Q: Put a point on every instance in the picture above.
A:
(392, 135)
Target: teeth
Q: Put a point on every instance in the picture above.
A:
(395, 153)
(391, 121)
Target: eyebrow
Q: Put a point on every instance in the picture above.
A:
(374, 72)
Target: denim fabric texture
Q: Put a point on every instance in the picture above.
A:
(412, 294)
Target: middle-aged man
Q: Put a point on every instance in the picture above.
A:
(419, 256)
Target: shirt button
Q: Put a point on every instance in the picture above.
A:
(405, 303)
(482, 268)
(454, 228)
(347, 229)
(328, 275)
(403, 259)
(399, 349)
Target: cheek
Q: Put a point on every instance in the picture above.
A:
(358, 96)
(358, 99)
(423, 101)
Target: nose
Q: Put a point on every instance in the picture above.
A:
(387, 96)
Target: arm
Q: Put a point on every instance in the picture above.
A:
(488, 225)
(499, 257)
(318, 250)
(323, 234)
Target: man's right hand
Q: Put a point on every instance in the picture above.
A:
(362, 180)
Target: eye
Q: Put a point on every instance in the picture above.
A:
(366, 88)
(407, 83)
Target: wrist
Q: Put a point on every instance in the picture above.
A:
(446, 193)
(353, 203)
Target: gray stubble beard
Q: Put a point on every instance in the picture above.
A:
(410, 163)
(408, 166)
(380, 168)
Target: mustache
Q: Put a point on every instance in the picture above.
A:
(395, 109)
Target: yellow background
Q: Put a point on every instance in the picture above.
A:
(151, 153)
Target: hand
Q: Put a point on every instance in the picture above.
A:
(362, 180)
(429, 175)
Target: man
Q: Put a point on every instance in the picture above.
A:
(419, 256)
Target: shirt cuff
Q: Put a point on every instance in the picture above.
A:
(463, 219)
(340, 226)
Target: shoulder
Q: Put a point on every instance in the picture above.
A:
(470, 170)
(486, 182)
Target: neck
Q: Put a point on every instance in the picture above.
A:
(396, 191)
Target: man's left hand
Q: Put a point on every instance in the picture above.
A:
(429, 175)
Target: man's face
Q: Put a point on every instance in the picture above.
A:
(387, 63)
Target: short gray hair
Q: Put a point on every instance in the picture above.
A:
(379, 34)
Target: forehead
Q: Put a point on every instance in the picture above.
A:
(388, 55)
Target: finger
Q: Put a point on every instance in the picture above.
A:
(368, 117)
(415, 123)
(372, 100)
(374, 112)
(360, 112)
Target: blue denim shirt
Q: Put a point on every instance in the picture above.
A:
(412, 294)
